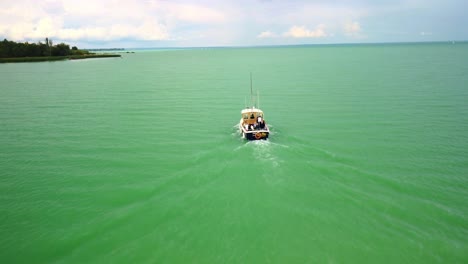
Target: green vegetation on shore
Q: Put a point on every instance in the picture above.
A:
(11, 51)
(57, 58)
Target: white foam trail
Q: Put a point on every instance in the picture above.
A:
(264, 152)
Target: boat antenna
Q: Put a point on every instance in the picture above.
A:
(251, 91)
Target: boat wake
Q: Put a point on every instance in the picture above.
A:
(263, 151)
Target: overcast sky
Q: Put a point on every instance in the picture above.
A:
(183, 23)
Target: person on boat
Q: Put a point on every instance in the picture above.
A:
(260, 122)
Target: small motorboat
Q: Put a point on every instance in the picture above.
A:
(252, 125)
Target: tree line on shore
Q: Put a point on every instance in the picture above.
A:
(11, 49)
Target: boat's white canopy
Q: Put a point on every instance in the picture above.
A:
(251, 110)
(250, 115)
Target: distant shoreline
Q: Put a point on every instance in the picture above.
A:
(103, 49)
(58, 58)
(11, 51)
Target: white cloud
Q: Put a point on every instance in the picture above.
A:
(267, 34)
(352, 29)
(148, 30)
(191, 13)
(303, 32)
(53, 28)
(230, 22)
(311, 13)
(105, 20)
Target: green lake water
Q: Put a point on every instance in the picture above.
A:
(138, 159)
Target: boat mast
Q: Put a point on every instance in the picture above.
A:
(251, 91)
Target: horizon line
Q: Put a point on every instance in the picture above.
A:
(290, 45)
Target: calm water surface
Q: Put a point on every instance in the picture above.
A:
(137, 160)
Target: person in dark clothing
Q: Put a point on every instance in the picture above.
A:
(260, 122)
